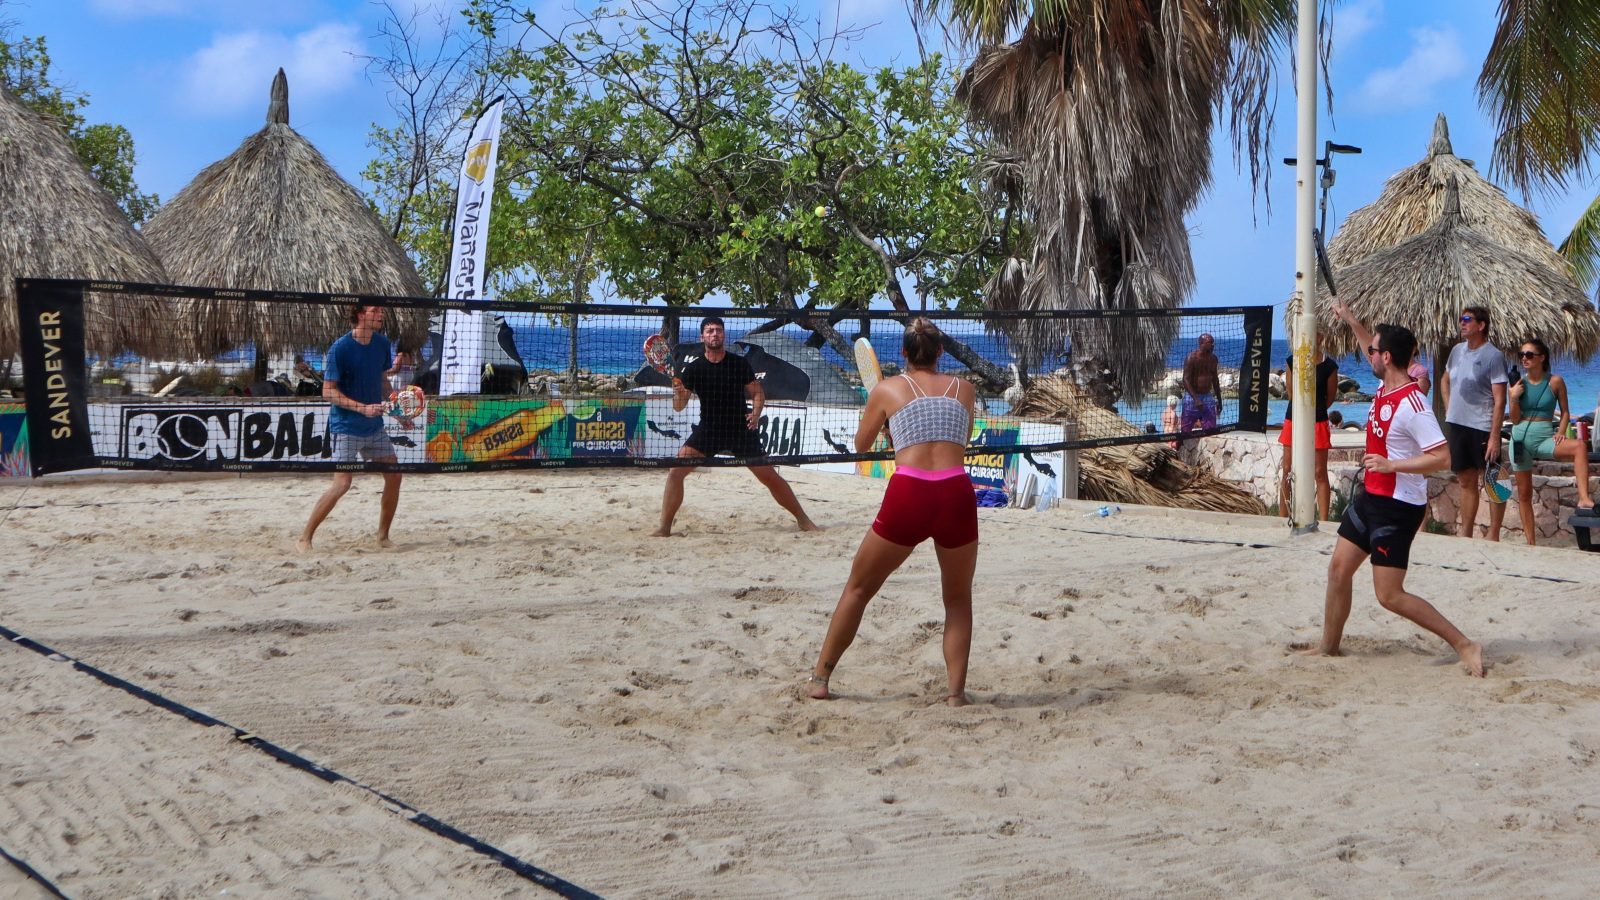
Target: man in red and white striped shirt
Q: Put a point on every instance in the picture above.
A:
(1404, 444)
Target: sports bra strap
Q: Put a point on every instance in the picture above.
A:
(951, 390)
(915, 389)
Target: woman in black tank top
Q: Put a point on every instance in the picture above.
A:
(1327, 382)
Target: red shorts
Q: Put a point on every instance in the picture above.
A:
(920, 504)
(1323, 441)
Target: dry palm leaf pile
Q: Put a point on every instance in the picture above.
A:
(1149, 474)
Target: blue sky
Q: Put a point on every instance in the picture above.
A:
(189, 78)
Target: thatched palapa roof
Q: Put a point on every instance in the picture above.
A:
(1424, 282)
(274, 215)
(1491, 252)
(56, 221)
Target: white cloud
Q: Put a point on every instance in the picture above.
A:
(1354, 19)
(235, 71)
(1435, 57)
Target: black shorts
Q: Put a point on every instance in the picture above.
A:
(737, 440)
(1383, 528)
(1468, 447)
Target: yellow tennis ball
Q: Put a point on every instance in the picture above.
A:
(822, 211)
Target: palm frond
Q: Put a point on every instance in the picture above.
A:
(1109, 105)
(1581, 247)
(1541, 85)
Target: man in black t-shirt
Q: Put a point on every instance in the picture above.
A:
(723, 381)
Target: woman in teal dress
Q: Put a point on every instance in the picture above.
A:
(1536, 426)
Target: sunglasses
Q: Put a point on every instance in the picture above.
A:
(1528, 354)
(1466, 319)
(1373, 350)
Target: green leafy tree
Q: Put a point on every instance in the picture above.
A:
(106, 149)
(681, 153)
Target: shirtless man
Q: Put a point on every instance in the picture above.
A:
(1404, 444)
(1202, 388)
(724, 382)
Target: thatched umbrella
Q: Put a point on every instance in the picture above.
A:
(1150, 474)
(1466, 244)
(56, 221)
(1424, 281)
(273, 215)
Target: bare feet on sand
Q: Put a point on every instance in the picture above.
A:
(303, 545)
(1472, 659)
(817, 688)
(384, 542)
(661, 532)
(956, 700)
(809, 525)
(1306, 648)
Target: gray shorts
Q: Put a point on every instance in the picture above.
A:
(348, 448)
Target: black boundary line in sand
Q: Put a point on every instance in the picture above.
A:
(399, 807)
(1261, 545)
(1258, 545)
(29, 872)
(189, 498)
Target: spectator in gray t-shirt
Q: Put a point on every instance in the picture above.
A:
(1474, 391)
(1473, 374)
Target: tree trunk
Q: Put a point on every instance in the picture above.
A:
(995, 379)
(810, 322)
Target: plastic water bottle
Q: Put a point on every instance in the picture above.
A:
(1103, 512)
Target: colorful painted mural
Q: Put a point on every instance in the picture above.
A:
(13, 441)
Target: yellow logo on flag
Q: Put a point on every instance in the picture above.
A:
(478, 160)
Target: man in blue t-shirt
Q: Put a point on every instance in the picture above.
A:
(354, 380)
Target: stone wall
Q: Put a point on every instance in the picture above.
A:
(1253, 461)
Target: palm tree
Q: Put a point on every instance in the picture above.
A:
(1541, 85)
(1108, 106)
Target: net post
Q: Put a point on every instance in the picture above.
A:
(1303, 336)
(1069, 461)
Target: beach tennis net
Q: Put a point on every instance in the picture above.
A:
(140, 376)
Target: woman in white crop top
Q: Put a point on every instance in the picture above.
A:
(928, 417)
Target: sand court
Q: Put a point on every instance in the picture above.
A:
(622, 711)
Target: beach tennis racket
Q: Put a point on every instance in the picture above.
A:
(1495, 490)
(407, 403)
(867, 364)
(659, 355)
(1322, 261)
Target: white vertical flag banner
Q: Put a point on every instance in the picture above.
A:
(461, 357)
